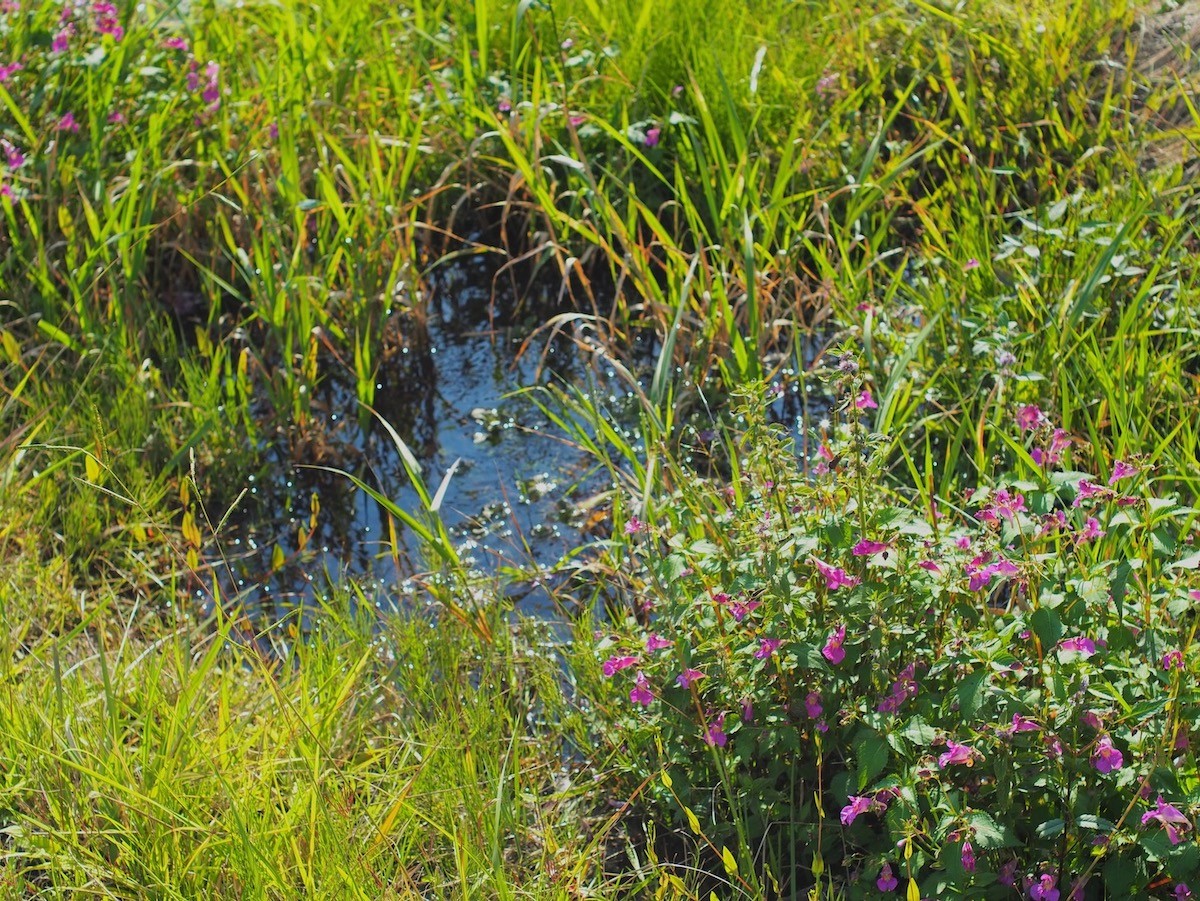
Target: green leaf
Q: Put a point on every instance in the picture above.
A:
(693, 822)
(970, 691)
(872, 758)
(1088, 821)
(1051, 828)
(918, 731)
(989, 834)
(1048, 626)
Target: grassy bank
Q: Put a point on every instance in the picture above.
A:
(960, 241)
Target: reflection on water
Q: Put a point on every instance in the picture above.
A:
(520, 498)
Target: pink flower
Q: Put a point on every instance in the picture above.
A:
(1080, 644)
(864, 401)
(614, 665)
(212, 91)
(1172, 660)
(1029, 418)
(640, 693)
(1008, 874)
(116, 117)
(836, 577)
(1004, 505)
(1091, 530)
(108, 20)
(1019, 724)
(767, 647)
(62, 40)
(740, 610)
(970, 264)
(687, 677)
(1106, 758)
(634, 526)
(1121, 470)
(1182, 892)
(833, 650)
(902, 689)
(930, 565)
(652, 136)
(505, 105)
(6, 72)
(176, 43)
(957, 754)
(715, 736)
(747, 711)
(859, 804)
(657, 643)
(1044, 889)
(968, 857)
(812, 705)
(1169, 817)
(1084, 490)
(14, 157)
(887, 881)
(867, 548)
(68, 123)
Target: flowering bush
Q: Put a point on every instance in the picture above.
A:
(859, 692)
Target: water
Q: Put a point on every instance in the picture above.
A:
(520, 497)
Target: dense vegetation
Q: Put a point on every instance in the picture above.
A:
(937, 639)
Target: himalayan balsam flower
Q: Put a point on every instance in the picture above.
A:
(652, 136)
(767, 647)
(833, 650)
(1003, 506)
(68, 123)
(1172, 660)
(867, 548)
(634, 526)
(1182, 892)
(1029, 418)
(812, 705)
(614, 665)
(176, 43)
(860, 804)
(957, 754)
(887, 881)
(640, 693)
(836, 577)
(1008, 874)
(968, 857)
(970, 264)
(1107, 758)
(903, 688)
(1091, 530)
(108, 20)
(657, 643)
(1169, 817)
(6, 72)
(687, 677)
(212, 90)
(1080, 644)
(1084, 490)
(747, 711)
(1019, 724)
(865, 401)
(14, 157)
(1121, 470)
(62, 39)
(715, 735)
(1044, 889)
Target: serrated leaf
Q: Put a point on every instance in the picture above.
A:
(1051, 828)
(1088, 821)
(919, 732)
(989, 834)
